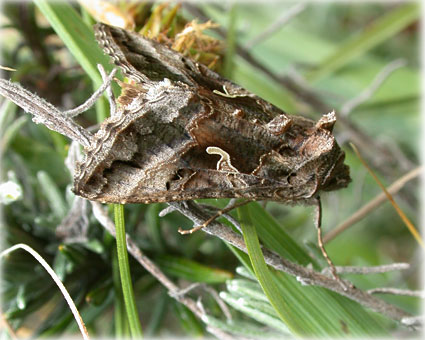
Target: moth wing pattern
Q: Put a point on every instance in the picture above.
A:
(184, 132)
(138, 58)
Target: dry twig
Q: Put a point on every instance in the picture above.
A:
(173, 290)
(192, 211)
(396, 291)
(397, 208)
(373, 204)
(281, 21)
(367, 93)
(370, 270)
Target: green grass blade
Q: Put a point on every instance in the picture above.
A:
(124, 267)
(158, 314)
(7, 114)
(229, 58)
(102, 106)
(53, 195)
(76, 35)
(154, 226)
(12, 131)
(242, 328)
(246, 288)
(244, 305)
(381, 30)
(121, 327)
(263, 274)
(322, 311)
(191, 270)
(188, 321)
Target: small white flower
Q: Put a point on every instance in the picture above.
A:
(9, 192)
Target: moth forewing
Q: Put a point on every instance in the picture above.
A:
(188, 133)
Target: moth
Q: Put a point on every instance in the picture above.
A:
(183, 132)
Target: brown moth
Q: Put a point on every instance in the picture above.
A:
(183, 132)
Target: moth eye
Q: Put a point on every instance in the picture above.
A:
(291, 178)
(167, 186)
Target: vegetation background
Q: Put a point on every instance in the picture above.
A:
(336, 51)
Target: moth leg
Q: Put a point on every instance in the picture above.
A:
(92, 100)
(109, 93)
(318, 224)
(214, 217)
